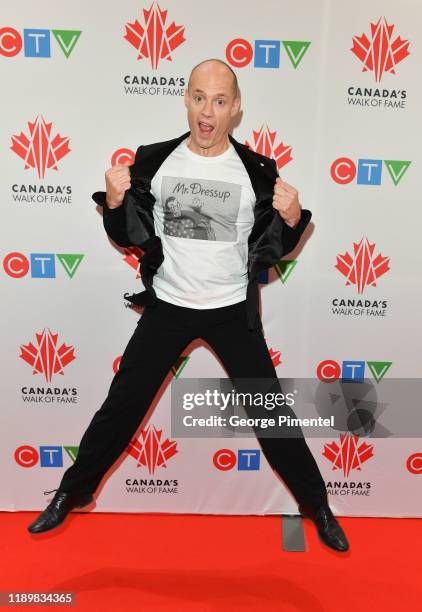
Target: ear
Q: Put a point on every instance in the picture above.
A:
(235, 107)
(186, 98)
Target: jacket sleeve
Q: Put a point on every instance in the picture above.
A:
(288, 237)
(281, 231)
(115, 219)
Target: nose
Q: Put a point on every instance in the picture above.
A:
(207, 109)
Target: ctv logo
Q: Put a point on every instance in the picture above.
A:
(330, 370)
(283, 268)
(47, 456)
(265, 53)
(414, 463)
(368, 171)
(36, 42)
(40, 265)
(225, 459)
(177, 368)
(123, 156)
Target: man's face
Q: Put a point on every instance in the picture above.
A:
(211, 105)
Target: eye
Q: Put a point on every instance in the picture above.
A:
(220, 102)
(197, 98)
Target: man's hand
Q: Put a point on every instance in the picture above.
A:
(117, 182)
(286, 201)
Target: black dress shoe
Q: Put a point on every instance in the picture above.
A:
(327, 526)
(57, 510)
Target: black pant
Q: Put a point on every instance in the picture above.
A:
(161, 335)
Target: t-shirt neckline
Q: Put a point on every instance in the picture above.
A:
(207, 159)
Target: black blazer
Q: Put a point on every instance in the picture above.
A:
(132, 223)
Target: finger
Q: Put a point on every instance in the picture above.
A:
(121, 186)
(122, 174)
(282, 199)
(288, 187)
(289, 192)
(282, 205)
(281, 186)
(121, 183)
(121, 180)
(286, 191)
(121, 169)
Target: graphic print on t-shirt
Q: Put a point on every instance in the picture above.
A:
(202, 209)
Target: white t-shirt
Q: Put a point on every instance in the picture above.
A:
(203, 214)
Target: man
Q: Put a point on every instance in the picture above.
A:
(198, 284)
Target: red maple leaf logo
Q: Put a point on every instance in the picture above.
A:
(154, 41)
(40, 150)
(264, 143)
(349, 455)
(151, 452)
(47, 358)
(362, 268)
(133, 255)
(275, 357)
(381, 53)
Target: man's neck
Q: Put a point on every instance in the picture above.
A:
(213, 151)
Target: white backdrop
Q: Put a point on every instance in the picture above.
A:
(72, 105)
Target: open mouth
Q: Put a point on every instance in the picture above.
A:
(205, 128)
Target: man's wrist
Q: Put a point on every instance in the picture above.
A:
(290, 224)
(112, 205)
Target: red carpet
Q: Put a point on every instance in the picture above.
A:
(189, 562)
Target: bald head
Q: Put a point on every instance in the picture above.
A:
(212, 100)
(214, 67)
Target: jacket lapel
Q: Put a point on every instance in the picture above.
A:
(151, 158)
(262, 174)
(139, 200)
(264, 242)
